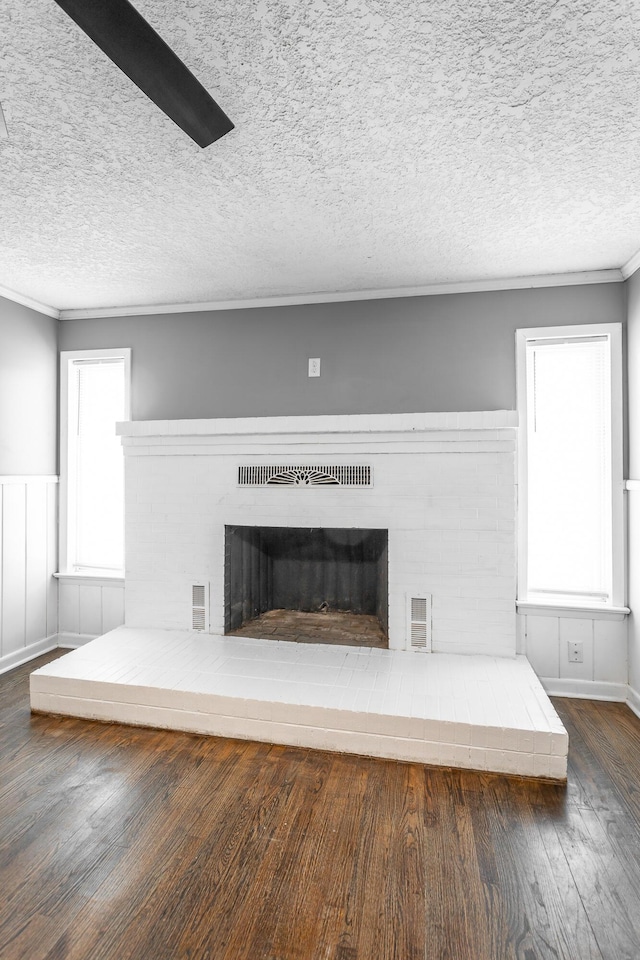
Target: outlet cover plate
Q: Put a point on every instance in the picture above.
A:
(576, 654)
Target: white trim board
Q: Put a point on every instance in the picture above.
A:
(427, 290)
(28, 478)
(629, 268)
(30, 302)
(633, 701)
(411, 424)
(570, 611)
(12, 660)
(585, 689)
(614, 275)
(94, 580)
(71, 641)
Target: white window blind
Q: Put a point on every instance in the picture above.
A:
(569, 523)
(98, 387)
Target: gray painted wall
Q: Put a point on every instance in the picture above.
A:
(28, 391)
(437, 353)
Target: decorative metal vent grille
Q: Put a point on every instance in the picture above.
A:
(199, 606)
(419, 622)
(304, 476)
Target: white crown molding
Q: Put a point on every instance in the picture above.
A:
(29, 302)
(429, 290)
(629, 268)
(436, 289)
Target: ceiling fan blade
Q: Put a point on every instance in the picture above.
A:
(134, 46)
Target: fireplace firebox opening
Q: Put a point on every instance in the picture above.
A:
(319, 585)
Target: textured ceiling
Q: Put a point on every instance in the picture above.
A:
(377, 144)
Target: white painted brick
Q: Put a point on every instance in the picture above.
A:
(542, 742)
(542, 765)
(449, 516)
(559, 744)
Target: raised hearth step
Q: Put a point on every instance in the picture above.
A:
(477, 712)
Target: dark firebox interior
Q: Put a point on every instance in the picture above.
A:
(307, 569)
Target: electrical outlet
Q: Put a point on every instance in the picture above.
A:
(314, 366)
(575, 651)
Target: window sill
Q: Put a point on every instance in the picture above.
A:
(571, 611)
(102, 579)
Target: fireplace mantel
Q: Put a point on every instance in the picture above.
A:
(412, 423)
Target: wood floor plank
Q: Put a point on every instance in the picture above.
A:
(465, 885)
(610, 733)
(121, 843)
(539, 923)
(153, 878)
(288, 874)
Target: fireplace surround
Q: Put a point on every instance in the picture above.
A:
(441, 484)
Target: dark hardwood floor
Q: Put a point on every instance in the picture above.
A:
(137, 844)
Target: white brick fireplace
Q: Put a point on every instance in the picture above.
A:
(442, 485)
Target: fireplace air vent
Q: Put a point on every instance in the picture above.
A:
(199, 607)
(355, 475)
(419, 622)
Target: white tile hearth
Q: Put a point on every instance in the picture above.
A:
(477, 712)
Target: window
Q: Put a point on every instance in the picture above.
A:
(94, 397)
(570, 465)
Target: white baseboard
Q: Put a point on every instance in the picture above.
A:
(18, 657)
(72, 641)
(585, 689)
(633, 701)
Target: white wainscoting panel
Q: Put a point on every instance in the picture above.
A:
(603, 672)
(580, 631)
(36, 562)
(89, 607)
(610, 650)
(542, 645)
(28, 590)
